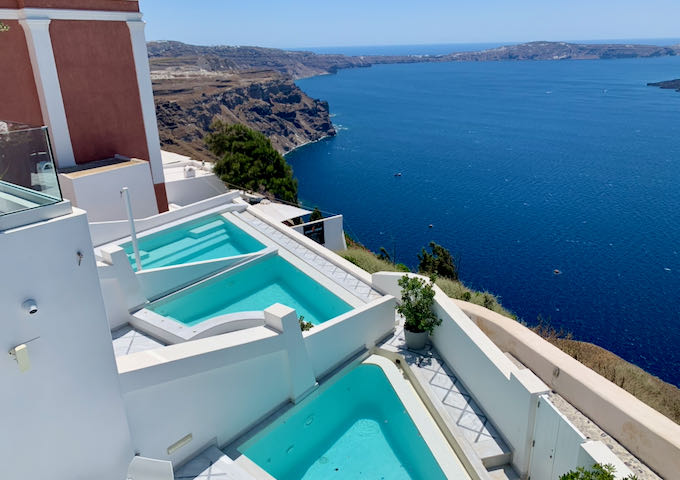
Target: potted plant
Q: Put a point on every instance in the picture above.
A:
(417, 297)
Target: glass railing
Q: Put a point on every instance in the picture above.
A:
(28, 178)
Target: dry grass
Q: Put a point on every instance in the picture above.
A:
(661, 396)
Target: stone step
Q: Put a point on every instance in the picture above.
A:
(504, 472)
(212, 463)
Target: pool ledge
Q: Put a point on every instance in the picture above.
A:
(171, 331)
(442, 451)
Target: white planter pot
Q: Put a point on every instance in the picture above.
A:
(415, 340)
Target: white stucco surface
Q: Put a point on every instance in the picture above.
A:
(63, 418)
(98, 191)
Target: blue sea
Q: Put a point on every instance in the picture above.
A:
(521, 168)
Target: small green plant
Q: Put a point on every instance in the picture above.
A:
(439, 261)
(304, 324)
(401, 267)
(3, 27)
(597, 472)
(417, 298)
(316, 215)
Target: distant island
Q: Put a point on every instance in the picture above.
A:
(668, 84)
(195, 85)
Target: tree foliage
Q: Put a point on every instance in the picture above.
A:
(247, 160)
(439, 261)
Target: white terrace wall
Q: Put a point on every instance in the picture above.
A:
(649, 435)
(64, 417)
(98, 190)
(334, 235)
(190, 190)
(105, 232)
(558, 446)
(214, 388)
(509, 395)
(339, 339)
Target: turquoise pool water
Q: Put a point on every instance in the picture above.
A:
(206, 238)
(255, 287)
(357, 428)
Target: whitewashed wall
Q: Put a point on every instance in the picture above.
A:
(332, 342)
(334, 234)
(648, 434)
(213, 388)
(99, 193)
(64, 418)
(190, 190)
(559, 447)
(216, 402)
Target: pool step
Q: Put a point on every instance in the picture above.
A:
(176, 257)
(503, 473)
(209, 227)
(211, 463)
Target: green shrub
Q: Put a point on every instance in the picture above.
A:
(598, 472)
(439, 262)
(315, 215)
(304, 324)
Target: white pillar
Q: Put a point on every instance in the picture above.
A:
(301, 374)
(37, 32)
(146, 98)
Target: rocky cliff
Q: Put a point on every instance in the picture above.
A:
(195, 85)
(268, 102)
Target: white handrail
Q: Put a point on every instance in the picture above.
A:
(125, 193)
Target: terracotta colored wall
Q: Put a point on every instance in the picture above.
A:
(99, 86)
(8, 4)
(161, 197)
(111, 5)
(18, 95)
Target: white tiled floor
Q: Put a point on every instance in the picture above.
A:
(457, 402)
(127, 340)
(337, 274)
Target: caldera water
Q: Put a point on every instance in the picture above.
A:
(555, 182)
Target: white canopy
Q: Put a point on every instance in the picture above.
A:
(279, 211)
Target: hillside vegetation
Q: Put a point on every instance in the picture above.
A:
(661, 396)
(368, 261)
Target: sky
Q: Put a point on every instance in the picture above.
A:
(318, 23)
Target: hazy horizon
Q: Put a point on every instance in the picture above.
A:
(308, 24)
(483, 45)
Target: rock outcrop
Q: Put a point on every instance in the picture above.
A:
(669, 84)
(265, 101)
